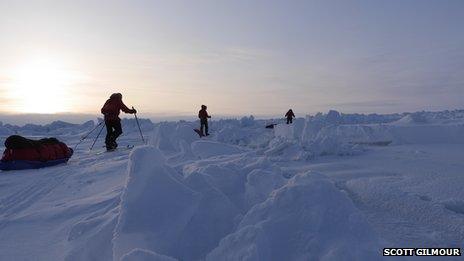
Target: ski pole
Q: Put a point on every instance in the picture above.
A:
(97, 137)
(87, 135)
(138, 124)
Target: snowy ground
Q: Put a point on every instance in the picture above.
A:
(324, 188)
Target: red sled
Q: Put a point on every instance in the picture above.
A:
(23, 153)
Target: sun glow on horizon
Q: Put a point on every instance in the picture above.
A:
(40, 86)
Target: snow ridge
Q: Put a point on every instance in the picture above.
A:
(217, 210)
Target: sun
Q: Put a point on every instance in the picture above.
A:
(40, 86)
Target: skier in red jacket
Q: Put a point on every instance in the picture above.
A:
(111, 111)
(203, 115)
(289, 115)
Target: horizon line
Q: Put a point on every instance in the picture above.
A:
(79, 118)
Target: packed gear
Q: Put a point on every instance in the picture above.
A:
(203, 115)
(111, 110)
(23, 153)
(289, 115)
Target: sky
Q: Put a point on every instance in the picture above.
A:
(238, 57)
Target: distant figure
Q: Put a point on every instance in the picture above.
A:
(290, 115)
(111, 111)
(203, 115)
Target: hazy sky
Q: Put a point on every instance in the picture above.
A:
(238, 57)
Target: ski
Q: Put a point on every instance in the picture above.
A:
(128, 147)
(197, 131)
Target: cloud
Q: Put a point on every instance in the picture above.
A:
(239, 54)
(367, 104)
(4, 82)
(419, 75)
(204, 57)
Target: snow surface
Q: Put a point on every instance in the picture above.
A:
(324, 188)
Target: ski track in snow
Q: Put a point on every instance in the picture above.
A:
(244, 192)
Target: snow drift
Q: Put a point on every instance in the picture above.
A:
(224, 209)
(307, 219)
(167, 214)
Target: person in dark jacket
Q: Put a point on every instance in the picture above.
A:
(203, 115)
(111, 111)
(289, 115)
